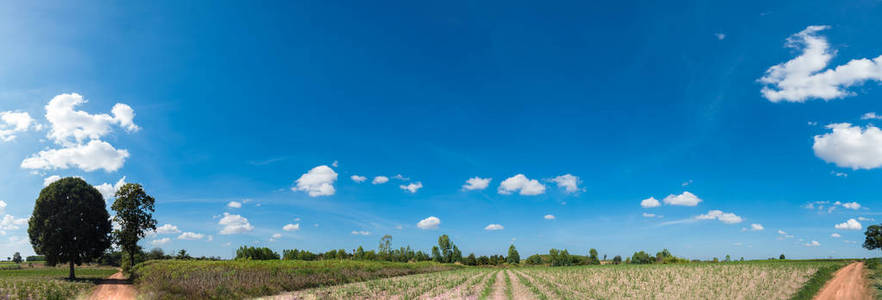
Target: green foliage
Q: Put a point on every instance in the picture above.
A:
(592, 257)
(193, 279)
(134, 213)
(70, 223)
(436, 254)
(513, 257)
(640, 258)
(560, 258)
(16, 258)
(35, 258)
(471, 260)
(782, 257)
(47, 282)
(255, 253)
(874, 237)
(617, 260)
(534, 260)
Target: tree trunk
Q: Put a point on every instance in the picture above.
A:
(71, 276)
(131, 260)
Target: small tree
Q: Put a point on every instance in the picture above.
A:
(436, 254)
(445, 246)
(70, 223)
(617, 260)
(783, 257)
(513, 257)
(16, 258)
(873, 240)
(134, 213)
(471, 260)
(592, 257)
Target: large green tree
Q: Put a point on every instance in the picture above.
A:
(134, 213)
(446, 248)
(874, 238)
(513, 256)
(70, 223)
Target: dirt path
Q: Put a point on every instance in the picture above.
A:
(499, 287)
(847, 283)
(518, 290)
(115, 287)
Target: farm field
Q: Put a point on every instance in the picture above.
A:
(49, 282)
(748, 280)
(176, 279)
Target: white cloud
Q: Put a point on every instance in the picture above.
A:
(2, 206)
(650, 202)
(380, 180)
(89, 157)
(851, 224)
(276, 236)
(494, 227)
(167, 229)
(109, 191)
(191, 236)
(291, 227)
(720, 36)
(728, 218)
(804, 77)
(851, 205)
(648, 215)
(871, 116)
(476, 183)
(550, 217)
(865, 219)
(412, 187)
(835, 235)
(14, 122)
(812, 244)
(357, 178)
(234, 224)
(317, 182)
(684, 199)
(234, 204)
(160, 242)
(399, 177)
(8, 222)
(850, 146)
(49, 180)
(429, 223)
(360, 232)
(756, 227)
(522, 184)
(70, 126)
(568, 182)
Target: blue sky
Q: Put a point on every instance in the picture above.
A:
(209, 104)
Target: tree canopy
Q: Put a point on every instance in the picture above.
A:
(70, 223)
(874, 237)
(134, 213)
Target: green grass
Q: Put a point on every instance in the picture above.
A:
(49, 282)
(874, 266)
(182, 279)
(817, 281)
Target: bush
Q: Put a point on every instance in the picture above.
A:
(641, 258)
(534, 260)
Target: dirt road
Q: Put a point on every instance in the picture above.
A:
(847, 283)
(115, 287)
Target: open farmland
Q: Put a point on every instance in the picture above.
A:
(749, 280)
(49, 282)
(176, 279)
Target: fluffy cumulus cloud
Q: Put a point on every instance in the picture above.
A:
(12, 123)
(521, 184)
(812, 244)
(805, 77)
(70, 126)
(412, 187)
(233, 224)
(89, 157)
(429, 223)
(684, 199)
(650, 202)
(476, 183)
(190, 236)
(317, 182)
(851, 224)
(494, 227)
(234, 204)
(291, 227)
(49, 180)
(549, 217)
(357, 178)
(567, 182)
(108, 191)
(850, 146)
(8, 222)
(380, 180)
(160, 242)
(167, 229)
(728, 218)
(871, 116)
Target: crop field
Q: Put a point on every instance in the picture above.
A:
(177, 279)
(49, 282)
(751, 280)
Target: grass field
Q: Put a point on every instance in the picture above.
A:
(175, 279)
(747, 280)
(49, 282)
